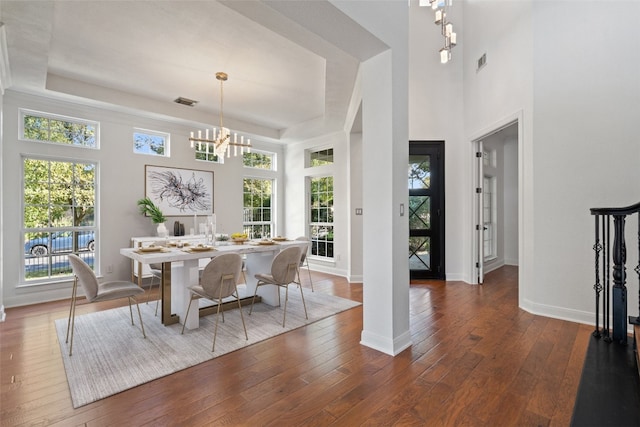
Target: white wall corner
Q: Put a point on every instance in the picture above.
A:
(556, 312)
(386, 345)
(355, 278)
(5, 70)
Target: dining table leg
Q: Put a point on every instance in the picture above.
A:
(165, 296)
(184, 276)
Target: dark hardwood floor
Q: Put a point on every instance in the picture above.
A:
(476, 360)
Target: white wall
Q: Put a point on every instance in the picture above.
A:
(121, 184)
(586, 85)
(355, 202)
(296, 211)
(575, 83)
(494, 96)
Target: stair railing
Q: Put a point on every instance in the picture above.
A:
(604, 254)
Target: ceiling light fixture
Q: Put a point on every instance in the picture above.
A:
(446, 27)
(220, 140)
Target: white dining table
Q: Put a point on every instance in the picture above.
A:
(180, 270)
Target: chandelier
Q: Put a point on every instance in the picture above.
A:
(446, 27)
(218, 141)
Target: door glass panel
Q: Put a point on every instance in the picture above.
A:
(420, 212)
(419, 253)
(419, 172)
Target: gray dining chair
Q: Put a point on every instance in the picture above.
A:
(304, 262)
(219, 281)
(283, 272)
(96, 292)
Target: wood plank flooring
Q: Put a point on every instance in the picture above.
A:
(476, 360)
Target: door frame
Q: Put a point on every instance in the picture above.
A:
(479, 210)
(516, 118)
(440, 272)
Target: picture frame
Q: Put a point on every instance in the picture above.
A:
(178, 191)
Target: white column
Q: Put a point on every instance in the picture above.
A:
(385, 151)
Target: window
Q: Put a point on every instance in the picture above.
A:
(259, 160)
(489, 212)
(321, 216)
(150, 142)
(59, 205)
(490, 158)
(321, 157)
(205, 153)
(58, 129)
(258, 213)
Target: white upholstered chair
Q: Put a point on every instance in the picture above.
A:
(283, 272)
(96, 292)
(218, 281)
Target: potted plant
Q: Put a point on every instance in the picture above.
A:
(147, 207)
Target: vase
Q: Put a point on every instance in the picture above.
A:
(162, 230)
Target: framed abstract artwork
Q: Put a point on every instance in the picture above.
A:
(179, 192)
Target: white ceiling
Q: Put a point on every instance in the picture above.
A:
(290, 75)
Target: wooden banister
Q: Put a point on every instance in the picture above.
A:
(617, 253)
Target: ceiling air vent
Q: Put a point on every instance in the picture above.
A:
(482, 61)
(185, 101)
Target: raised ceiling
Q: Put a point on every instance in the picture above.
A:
(289, 76)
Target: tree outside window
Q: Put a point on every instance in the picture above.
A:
(321, 157)
(257, 207)
(57, 129)
(59, 199)
(321, 216)
(151, 143)
(258, 160)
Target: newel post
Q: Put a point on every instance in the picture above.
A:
(619, 281)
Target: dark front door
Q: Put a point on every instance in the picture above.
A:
(426, 209)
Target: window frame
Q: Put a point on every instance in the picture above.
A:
(311, 224)
(24, 112)
(490, 212)
(149, 132)
(247, 226)
(50, 279)
(219, 160)
(310, 152)
(270, 154)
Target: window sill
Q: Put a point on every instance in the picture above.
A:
(329, 262)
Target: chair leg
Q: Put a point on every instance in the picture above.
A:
(304, 304)
(215, 331)
(187, 315)
(72, 314)
(309, 271)
(299, 282)
(150, 287)
(254, 297)
(286, 298)
(241, 316)
(131, 312)
(72, 305)
(139, 315)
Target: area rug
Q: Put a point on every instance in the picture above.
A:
(110, 355)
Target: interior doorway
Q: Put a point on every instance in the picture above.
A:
(426, 210)
(496, 204)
